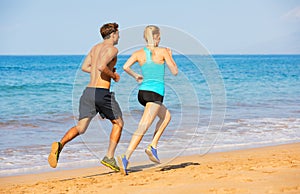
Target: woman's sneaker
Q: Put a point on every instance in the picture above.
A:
(152, 154)
(123, 162)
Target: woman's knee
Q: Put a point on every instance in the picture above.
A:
(168, 115)
(143, 127)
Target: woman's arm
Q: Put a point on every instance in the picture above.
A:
(132, 59)
(170, 61)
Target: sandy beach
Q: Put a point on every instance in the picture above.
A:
(274, 169)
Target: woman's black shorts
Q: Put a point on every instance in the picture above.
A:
(149, 96)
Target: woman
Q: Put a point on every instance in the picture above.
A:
(152, 61)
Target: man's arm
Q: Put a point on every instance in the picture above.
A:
(105, 59)
(87, 63)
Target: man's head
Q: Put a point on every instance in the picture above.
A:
(110, 30)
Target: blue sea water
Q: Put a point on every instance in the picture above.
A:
(218, 103)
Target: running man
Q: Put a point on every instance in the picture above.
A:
(96, 97)
(151, 59)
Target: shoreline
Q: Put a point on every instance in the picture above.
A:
(271, 169)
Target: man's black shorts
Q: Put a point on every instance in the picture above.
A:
(99, 100)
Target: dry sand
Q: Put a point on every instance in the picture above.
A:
(274, 169)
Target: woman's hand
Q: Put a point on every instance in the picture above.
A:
(139, 78)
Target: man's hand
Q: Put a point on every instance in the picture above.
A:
(117, 77)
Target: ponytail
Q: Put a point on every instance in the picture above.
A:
(148, 35)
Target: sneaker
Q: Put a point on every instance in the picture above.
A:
(110, 163)
(54, 154)
(152, 154)
(123, 162)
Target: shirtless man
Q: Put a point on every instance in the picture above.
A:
(96, 97)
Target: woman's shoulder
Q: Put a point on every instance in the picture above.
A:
(138, 52)
(161, 50)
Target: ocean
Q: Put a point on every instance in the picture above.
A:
(218, 103)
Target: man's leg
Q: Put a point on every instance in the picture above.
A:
(80, 128)
(56, 147)
(114, 136)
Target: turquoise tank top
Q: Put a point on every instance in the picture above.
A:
(153, 75)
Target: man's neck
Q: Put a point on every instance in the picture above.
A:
(109, 41)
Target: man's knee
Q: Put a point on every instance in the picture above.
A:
(81, 130)
(119, 122)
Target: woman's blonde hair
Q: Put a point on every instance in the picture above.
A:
(149, 33)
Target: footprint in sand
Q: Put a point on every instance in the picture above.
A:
(269, 171)
(248, 180)
(220, 177)
(290, 189)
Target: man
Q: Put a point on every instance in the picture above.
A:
(96, 97)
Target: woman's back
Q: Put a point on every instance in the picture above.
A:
(153, 74)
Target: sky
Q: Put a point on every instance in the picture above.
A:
(59, 27)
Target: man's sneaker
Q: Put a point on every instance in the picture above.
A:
(54, 154)
(110, 163)
(123, 162)
(152, 154)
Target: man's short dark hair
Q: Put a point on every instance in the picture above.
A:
(107, 29)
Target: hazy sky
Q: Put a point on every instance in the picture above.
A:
(222, 27)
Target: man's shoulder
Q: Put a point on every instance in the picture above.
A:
(105, 48)
(112, 49)
(96, 47)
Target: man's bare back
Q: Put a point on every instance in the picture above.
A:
(100, 63)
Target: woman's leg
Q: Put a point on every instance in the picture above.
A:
(164, 119)
(150, 112)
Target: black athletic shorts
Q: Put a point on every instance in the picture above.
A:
(98, 100)
(149, 96)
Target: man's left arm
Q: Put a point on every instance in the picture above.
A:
(87, 63)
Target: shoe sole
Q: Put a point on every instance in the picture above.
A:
(122, 169)
(151, 157)
(110, 166)
(52, 158)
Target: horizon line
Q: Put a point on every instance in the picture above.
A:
(173, 54)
